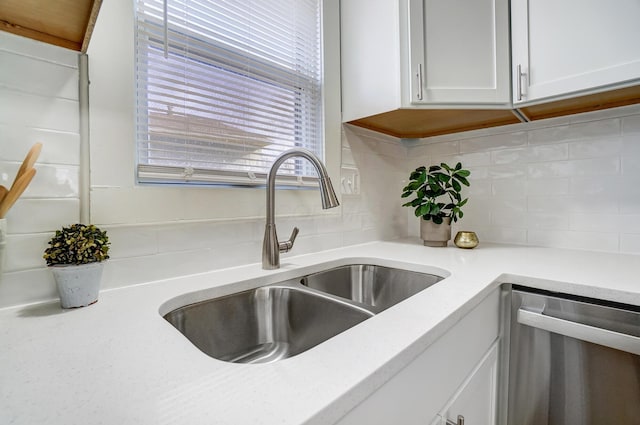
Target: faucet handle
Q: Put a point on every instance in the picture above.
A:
(287, 245)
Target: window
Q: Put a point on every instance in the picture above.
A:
(224, 87)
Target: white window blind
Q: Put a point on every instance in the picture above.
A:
(224, 87)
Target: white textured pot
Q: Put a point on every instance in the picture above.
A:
(433, 234)
(78, 285)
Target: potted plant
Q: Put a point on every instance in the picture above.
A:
(75, 256)
(437, 201)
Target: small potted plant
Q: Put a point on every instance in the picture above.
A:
(75, 256)
(438, 200)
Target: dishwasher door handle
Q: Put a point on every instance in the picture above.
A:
(605, 337)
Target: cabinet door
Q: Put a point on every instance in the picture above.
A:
(417, 393)
(476, 398)
(573, 47)
(459, 51)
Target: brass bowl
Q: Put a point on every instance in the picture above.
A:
(465, 239)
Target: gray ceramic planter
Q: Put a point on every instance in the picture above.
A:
(78, 286)
(437, 235)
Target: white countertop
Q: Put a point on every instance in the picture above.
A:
(119, 362)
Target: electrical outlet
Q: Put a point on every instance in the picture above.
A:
(350, 181)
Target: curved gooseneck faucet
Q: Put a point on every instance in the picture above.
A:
(271, 248)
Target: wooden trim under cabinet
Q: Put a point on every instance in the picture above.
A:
(587, 103)
(418, 123)
(64, 23)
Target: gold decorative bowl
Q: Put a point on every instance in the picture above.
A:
(466, 240)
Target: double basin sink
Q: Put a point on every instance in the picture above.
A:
(282, 320)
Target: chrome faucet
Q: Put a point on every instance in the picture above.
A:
(271, 248)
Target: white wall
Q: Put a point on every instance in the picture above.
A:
(157, 232)
(571, 182)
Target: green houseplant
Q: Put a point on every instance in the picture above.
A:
(437, 200)
(75, 256)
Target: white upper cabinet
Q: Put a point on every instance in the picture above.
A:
(459, 51)
(573, 47)
(423, 54)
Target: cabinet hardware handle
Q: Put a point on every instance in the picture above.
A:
(419, 75)
(460, 421)
(519, 82)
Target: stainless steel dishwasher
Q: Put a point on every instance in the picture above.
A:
(572, 360)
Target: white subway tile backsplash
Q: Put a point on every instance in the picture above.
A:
(512, 205)
(599, 128)
(473, 159)
(605, 203)
(548, 204)
(38, 77)
(132, 241)
(531, 154)
(25, 251)
(26, 287)
(479, 189)
(42, 215)
(577, 167)
(630, 243)
(629, 223)
(431, 149)
(548, 186)
(472, 219)
(347, 157)
(500, 234)
(506, 218)
(548, 221)
(592, 241)
(631, 124)
(596, 185)
(515, 171)
(630, 166)
(28, 110)
(38, 51)
(496, 141)
(509, 188)
(595, 222)
(57, 147)
(478, 173)
(598, 148)
(50, 181)
(476, 213)
(629, 198)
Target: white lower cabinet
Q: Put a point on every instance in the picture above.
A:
(457, 374)
(475, 400)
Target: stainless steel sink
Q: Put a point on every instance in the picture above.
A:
(377, 286)
(277, 321)
(265, 324)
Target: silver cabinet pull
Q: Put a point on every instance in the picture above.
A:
(419, 76)
(605, 337)
(519, 82)
(460, 421)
